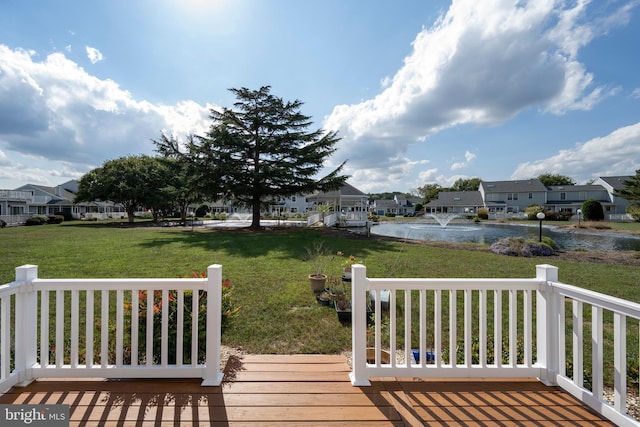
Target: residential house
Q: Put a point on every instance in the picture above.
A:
(462, 202)
(60, 199)
(617, 205)
(513, 197)
(504, 197)
(399, 205)
(14, 202)
(568, 199)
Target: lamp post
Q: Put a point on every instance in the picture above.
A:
(540, 216)
(579, 212)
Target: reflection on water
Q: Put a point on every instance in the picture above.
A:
(489, 233)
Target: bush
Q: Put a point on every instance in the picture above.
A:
(66, 215)
(592, 210)
(634, 211)
(55, 219)
(518, 246)
(35, 221)
(202, 210)
(532, 211)
(390, 215)
(3, 223)
(483, 213)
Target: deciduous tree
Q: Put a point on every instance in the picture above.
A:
(548, 179)
(132, 181)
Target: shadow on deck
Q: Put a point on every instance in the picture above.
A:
(278, 390)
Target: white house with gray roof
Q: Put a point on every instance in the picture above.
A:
(464, 202)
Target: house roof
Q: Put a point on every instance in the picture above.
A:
(615, 181)
(525, 185)
(457, 198)
(385, 203)
(346, 190)
(576, 188)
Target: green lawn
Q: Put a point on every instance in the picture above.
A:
(269, 272)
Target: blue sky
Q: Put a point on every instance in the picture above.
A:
(420, 91)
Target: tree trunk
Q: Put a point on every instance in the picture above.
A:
(255, 208)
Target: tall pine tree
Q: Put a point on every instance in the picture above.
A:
(262, 149)
(631, 190)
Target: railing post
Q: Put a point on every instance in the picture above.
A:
(358, 375)
(547, 312)
(212, 373)
(26, 323)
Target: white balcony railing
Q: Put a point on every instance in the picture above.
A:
(505, 328)
(491, 328)
(110, 328)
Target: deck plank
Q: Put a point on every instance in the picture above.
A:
(305, 390)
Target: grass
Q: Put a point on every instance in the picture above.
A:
(269, 272)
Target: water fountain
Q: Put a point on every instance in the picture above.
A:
(240, 216)
(443, 218)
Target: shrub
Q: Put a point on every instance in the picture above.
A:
(55, 219)
(3, 223)
(634, 211)
(66, 215)
(592, 210)
(36, 220)
(229, 309)
(390, 215)
(518, 246)
(483, 213)
(532, 211)
(202, 210)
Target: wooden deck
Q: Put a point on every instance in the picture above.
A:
(305, 390)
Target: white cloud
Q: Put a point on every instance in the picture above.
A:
(636, 93)
(53, 109)
(468, 156)
(94, 55)
(4, 160)
(481, 63)
(615, 154)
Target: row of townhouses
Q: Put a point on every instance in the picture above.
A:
(513, 197)
(499, 197)
(19, 204)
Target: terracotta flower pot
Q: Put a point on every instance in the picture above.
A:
(318, 282)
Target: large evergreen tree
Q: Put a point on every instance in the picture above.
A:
(262, 149)
(631, 190)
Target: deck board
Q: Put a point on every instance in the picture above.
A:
(305, 390)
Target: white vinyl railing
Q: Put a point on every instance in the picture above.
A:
(506, 328)
(110, 328)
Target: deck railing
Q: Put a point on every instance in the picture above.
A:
(110, 328)
(491, 328)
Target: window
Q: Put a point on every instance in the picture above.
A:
(512, 196)
(563, 196)
(531, 195)
(293, 198)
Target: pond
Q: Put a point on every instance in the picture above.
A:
(489, 233)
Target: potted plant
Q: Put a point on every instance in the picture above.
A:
(346, 266)
(319, 258)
